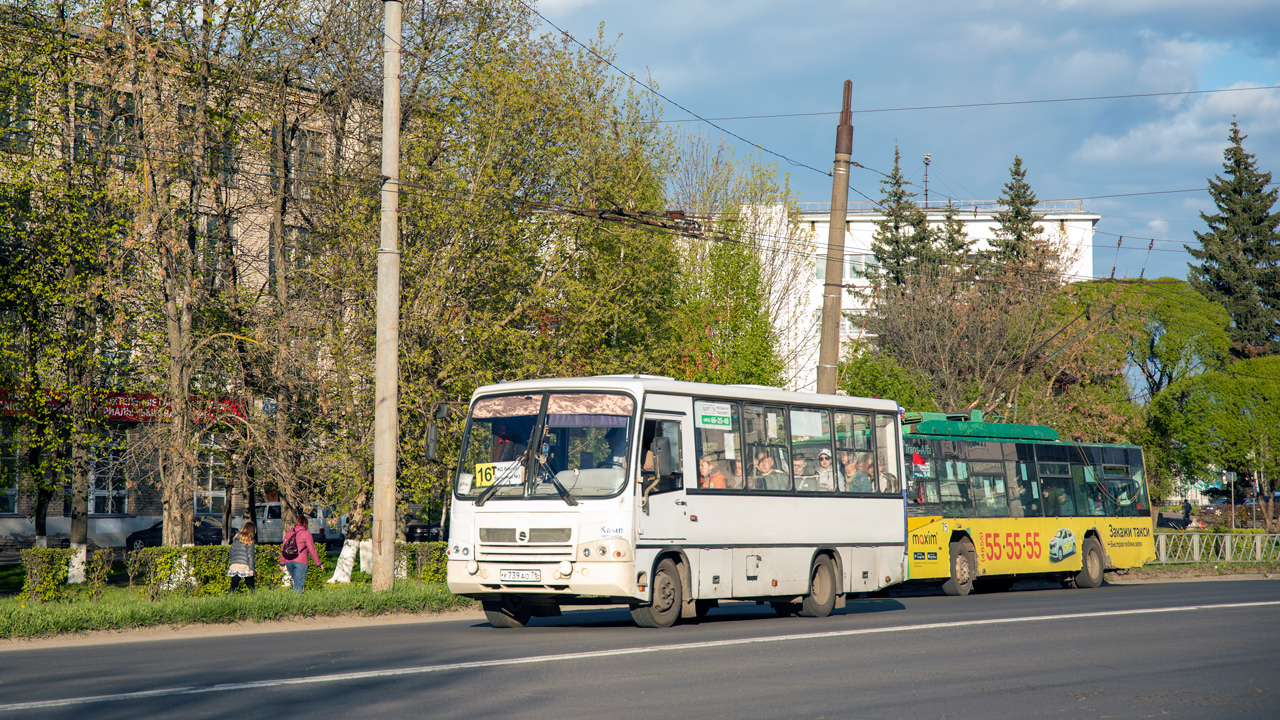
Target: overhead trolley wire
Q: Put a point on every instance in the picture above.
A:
(984, 104)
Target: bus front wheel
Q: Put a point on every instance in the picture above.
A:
(511, 611)
(1090, 575)
(963, 566)
(664, 610)
(822, 590)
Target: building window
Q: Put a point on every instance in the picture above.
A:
(860, 264)
(15, 112)
(108, 489)
(8, 468)
(211, 475)
(104, 123)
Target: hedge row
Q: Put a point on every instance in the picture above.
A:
(201, 570)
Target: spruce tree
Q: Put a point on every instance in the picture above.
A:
(1240, 253)
(1018, 244)
(902, 238)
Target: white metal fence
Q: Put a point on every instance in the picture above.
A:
(1216, 547)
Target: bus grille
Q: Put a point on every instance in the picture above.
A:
(526, 545)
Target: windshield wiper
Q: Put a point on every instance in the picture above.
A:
(489, 491)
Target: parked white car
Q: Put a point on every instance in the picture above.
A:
(1062, 545)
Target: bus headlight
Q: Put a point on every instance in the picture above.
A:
(473, 567)
(566, 568)
(610, 549)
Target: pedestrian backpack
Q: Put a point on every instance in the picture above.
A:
(290, 547)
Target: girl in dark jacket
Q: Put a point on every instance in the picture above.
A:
(242, 556)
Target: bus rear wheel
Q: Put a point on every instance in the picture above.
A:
(1090, 575)
(822, 590)
(664, 609)
(512, 611)
(963, 567)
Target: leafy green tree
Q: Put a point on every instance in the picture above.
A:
(739, 274)
(61, 230)
(1183, 334)
(1223, 419)
(1240, 253)
(867, 374)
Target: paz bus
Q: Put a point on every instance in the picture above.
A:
(991, 502)
(672, 496)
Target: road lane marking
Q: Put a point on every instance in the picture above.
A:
(537, 659)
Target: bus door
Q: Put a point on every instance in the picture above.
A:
(664, 511)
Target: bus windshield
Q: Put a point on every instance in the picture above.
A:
(582, 449)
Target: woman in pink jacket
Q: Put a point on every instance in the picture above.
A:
(299, 540)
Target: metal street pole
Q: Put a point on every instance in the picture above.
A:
(387, 360)
(833, 284)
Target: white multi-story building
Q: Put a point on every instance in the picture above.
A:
(1067, 223)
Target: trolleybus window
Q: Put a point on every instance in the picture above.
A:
(719, 444)
(1057, 481)
(811, 438)
(766, 431)
(1025, 484)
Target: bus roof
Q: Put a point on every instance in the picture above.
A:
(640, 384)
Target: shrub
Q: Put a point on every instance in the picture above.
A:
(97, 570)
(423, 561)
(46, 579)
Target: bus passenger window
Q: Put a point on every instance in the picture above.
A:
(887, 454)
(811, 462)
(855, 465)
(719, 445)
(767, 440)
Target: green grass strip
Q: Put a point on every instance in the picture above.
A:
(122, 609)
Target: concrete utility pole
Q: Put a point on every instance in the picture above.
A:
(833, 285)
(387, 362)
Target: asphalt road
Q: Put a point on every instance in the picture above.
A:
(1202, 650)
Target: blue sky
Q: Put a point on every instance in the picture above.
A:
(722, 59)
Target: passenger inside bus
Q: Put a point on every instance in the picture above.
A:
(768, 477)
(709, 475)
(806, 480)
(858, 471)
(826, 471)
(737, 481)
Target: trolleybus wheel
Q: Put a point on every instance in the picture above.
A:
(510, 612)
(1090, 575)
(667, 599)
(822, 590)
(962, 568)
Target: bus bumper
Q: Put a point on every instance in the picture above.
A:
(609, 579)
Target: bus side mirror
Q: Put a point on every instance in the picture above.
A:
(433, 431)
